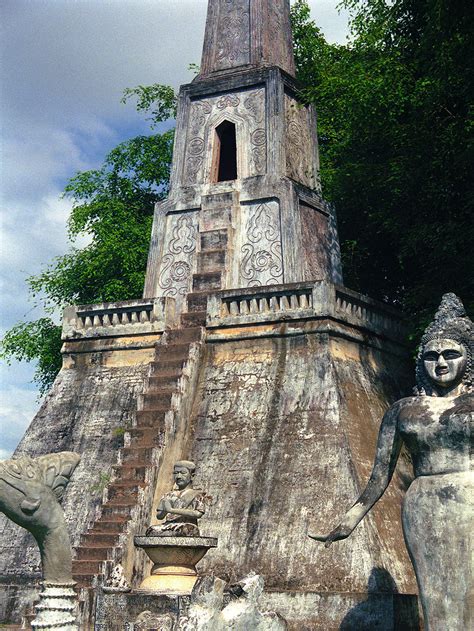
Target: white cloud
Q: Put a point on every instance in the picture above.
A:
(17, 408)
(331, 20)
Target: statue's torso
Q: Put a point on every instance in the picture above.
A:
(437, 432)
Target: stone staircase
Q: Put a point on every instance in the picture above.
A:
(128, 498)
(211, 264)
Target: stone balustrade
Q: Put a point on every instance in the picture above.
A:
(255, 304)
(364, 311)
(119, 318)
(296, 301)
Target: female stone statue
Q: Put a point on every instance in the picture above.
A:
(435, 425)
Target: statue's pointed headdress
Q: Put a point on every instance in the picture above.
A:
(450, 322)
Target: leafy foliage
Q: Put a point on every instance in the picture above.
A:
(39, 340)
(159, 100)
(395, 125)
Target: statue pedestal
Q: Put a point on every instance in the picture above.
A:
(57, 608)
(174, 562)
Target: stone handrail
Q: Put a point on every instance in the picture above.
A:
(119, 318)
(255, 303)
(300, 301)
(358, 308)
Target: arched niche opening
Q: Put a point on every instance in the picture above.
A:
(225, 152)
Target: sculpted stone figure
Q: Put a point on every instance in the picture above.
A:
(182, 507)
(436, 427)
(30, 492)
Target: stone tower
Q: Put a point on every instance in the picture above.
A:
(247, 355)
(245, 206)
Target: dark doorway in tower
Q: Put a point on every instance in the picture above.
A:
(225, 162)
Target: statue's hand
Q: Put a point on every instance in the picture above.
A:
(340, 532)
(167, 508)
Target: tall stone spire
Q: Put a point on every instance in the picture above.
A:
(247, 33)
(245, 206)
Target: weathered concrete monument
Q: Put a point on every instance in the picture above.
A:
(246, 355)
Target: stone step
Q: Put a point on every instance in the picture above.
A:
(151, 418)
(166, 390)
(197, 301)
(127, 472)
(124, 489)
(117, 509)
(172, 351)
(92, 553)
(142, 455)
(167, 364)
(113, 526)
(207, 281)
(183, 336)
(93, 539)
(194, 317)
(84, 580)
(211, 260)
(164, 380)
(86, 568)
(157, 400)
(145, 436)
(213, 239)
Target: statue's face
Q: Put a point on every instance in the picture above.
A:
(445, 362)
(182, 477)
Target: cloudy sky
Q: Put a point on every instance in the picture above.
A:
(64, 65)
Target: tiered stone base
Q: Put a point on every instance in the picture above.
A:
(57, 608)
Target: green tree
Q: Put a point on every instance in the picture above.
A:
(113, 208)
(395, 124)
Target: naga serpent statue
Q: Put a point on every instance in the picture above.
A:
(30, 493)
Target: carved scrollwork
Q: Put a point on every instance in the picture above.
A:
(176, 272)
(234, 28)
(200, 111)
(258, 141)
(196, 146)
(229, 100)
(195, 159)
(253, 104)
(261, 254)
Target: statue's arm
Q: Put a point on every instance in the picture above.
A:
(388, 449)
(186, 512)
(165, 507)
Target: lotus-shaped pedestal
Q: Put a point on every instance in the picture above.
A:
(174, 562)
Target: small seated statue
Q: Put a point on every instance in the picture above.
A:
(182, 507)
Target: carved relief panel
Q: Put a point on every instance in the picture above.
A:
(177, 263)
(260, 252)
(246, 109)
(232, 34)
(299, 143)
